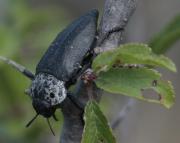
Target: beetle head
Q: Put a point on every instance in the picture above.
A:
(46, 92)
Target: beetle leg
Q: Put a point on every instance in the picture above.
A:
(75, 77)
(18, 67)
(54, 117)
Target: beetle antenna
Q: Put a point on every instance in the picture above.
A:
(31, 121)
(18, 67)
(50, 126)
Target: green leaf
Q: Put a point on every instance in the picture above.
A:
(131, 54)
(167, 37)
(96, 128)
(131, 82)
(166, 93)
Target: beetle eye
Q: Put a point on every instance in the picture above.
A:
(52, 95)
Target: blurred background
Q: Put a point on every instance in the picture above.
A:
(27, 27)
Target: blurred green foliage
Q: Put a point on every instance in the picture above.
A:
(169, 35)
(26, 31)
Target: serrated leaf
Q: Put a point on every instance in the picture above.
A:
(131, 54)
(131, 82)
(96, 128)
(166, 93)
(104, 61)
(167, 37)
(127, 81)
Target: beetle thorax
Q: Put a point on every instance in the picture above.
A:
(48, 88)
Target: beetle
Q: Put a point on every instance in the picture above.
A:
(68, 56)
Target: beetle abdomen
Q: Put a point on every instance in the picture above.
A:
(65, 55)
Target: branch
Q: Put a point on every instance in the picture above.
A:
(115, 17)
(18, 67)
(123, 113)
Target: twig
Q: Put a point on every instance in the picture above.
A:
(115, 17)
(18, 67)
(123, 113)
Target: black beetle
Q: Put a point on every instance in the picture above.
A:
(66, 59)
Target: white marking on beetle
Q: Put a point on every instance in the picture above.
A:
(48, 88)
